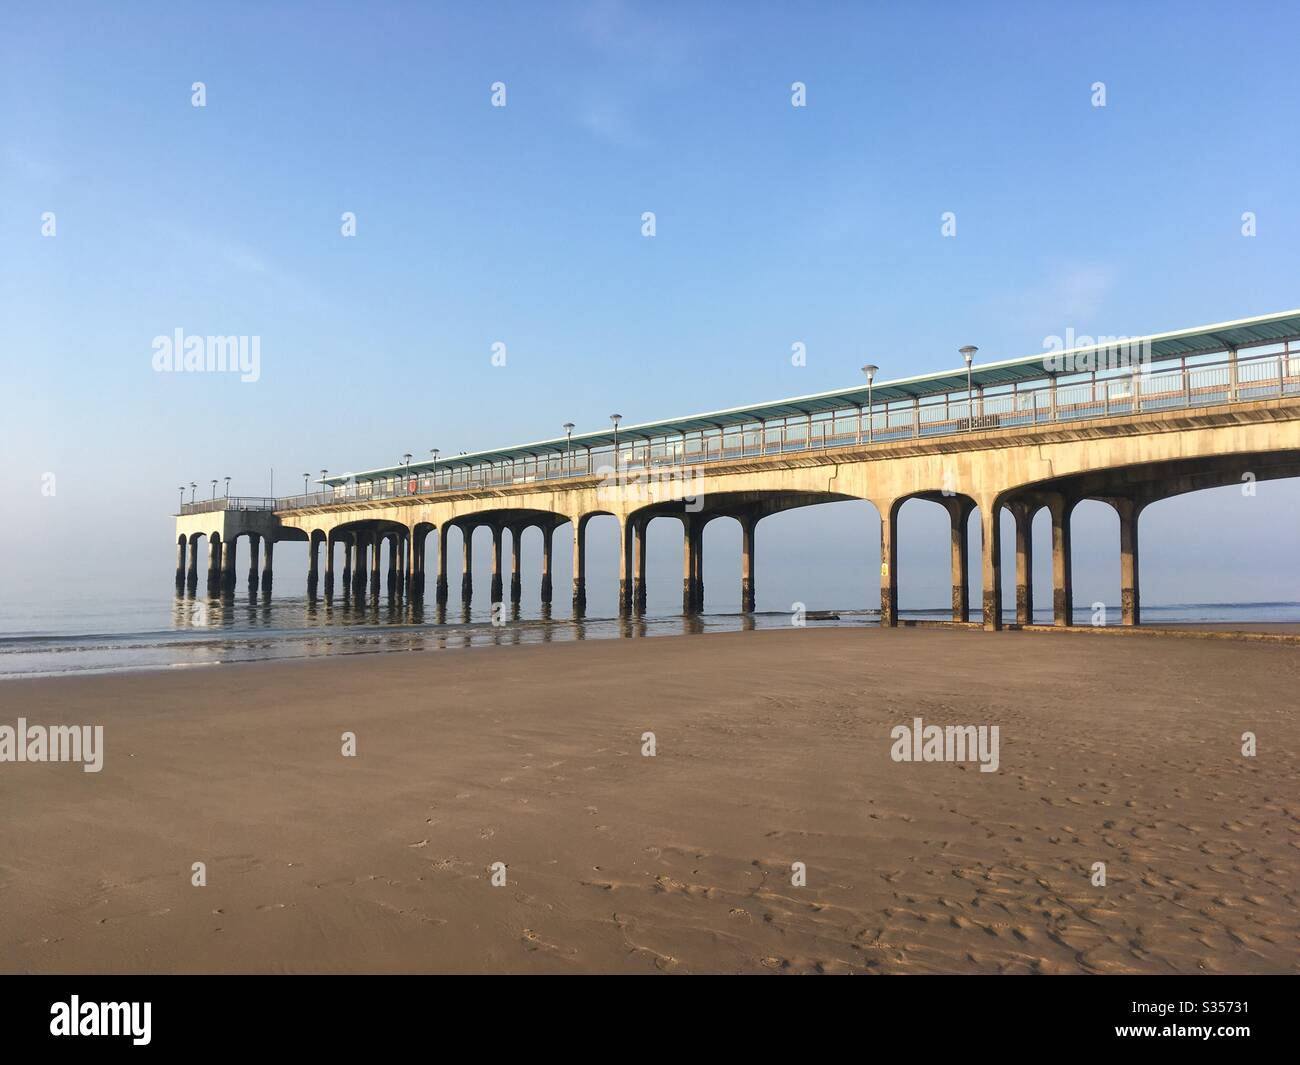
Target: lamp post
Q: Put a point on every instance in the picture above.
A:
(616, 418)
(214, 489)
(323, 486)
(305, 478)
(182, 495)
(968, 353)
(227, 487)
(193, 486)
(433, 472)
(870, 370)
(568, 452)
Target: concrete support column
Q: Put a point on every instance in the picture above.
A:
(359, 546)
(888, 563)
(959, 509)
(415, 543)
(467, 568)
(329, 564)
(624, 566)
(639, 529)
(192, 578)
(394, 552)
(548, 534)
(375, 541)
(440, 580)
(516, 583)
(1130, 595)
(313, 564)
(214, 565)
(254, 540)
(1062, 568)
(268, 559)
(748, 522)
(579, 566)
(688, 564)
(697, 558)
(991, 550)
(496, 564)
(180, 564)
(1024, 515)
(228, 561)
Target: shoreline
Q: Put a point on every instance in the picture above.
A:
(531, 631)
(772, 747)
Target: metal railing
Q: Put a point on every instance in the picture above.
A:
(1056, 400)
(207, 506)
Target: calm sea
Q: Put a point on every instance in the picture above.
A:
(44, 639)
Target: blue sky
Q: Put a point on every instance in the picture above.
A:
(522, 225)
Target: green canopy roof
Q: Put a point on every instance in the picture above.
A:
(1246, 332)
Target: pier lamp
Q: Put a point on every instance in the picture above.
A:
(433, 472)
(193, 486)
(323, 487)
(406, 478)
(870, 370)
(227, 487)
(968, 353)
(214, 489)
(305, 478)
(568, 445)
(616, 418)
(182, 495)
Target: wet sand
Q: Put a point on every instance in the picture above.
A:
(773, 747)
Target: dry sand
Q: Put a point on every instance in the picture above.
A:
(773, 747)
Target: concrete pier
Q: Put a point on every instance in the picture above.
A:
(1040, 441)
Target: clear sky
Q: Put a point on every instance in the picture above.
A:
(522, 225)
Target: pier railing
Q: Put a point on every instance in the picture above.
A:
(1058, 399)
(207, 506)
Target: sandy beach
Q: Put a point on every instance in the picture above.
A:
(772, 747)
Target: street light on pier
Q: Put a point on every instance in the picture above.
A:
(193, 486)
(406, 463)
(616, 418)
(968, 353)
(182, 495)
(433, 470)
(568, 444)
(214, 489)
(227, 487)
(870, 370)
(305, 478)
